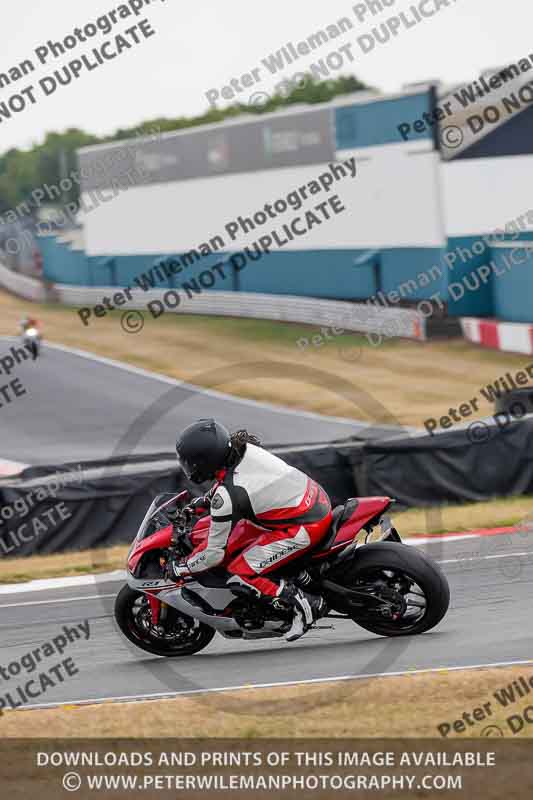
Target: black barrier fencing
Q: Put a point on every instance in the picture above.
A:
(106, 506)
(486, 459)
(106, 503)
(41, 513)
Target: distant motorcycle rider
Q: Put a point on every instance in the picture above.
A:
(255, 485)
(28, 322)
(31, 335)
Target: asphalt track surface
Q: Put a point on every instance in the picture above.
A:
(77, 408)
(489, 622)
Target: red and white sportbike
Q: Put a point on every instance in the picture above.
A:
(383, 586)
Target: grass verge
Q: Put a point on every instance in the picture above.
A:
(399, 382)
(409, 706)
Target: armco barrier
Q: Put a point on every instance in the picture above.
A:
(21, 285)
(360, 317)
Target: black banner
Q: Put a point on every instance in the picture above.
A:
(416, 470)
(284, 140)
(470, 464)
(56, 509)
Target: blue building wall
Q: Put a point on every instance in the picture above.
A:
(507, 293)
(310, 273)
(463, 262)
(62, 264)
(374, 124)
(512, 290)
(410, 271)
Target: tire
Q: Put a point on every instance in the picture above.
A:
(412, 564)
(125, 620)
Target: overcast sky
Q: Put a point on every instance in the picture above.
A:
(201, 45)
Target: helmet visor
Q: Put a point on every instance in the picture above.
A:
(185, 466)
(192, 471)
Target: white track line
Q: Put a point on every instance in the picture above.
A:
(10, 469)
(45, 584)
(484, 558)
(60, 600)
(416, 541)
(305, 682)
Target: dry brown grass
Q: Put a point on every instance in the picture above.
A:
(410, 381)
(401, 381)
(499, 513)
(64, 565)
(408, 707)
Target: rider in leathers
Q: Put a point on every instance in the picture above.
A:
(253, 484)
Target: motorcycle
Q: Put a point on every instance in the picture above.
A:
(31, 339)
(383, 586)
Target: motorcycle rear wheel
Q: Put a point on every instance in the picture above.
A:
(397, 564)
(131, 613)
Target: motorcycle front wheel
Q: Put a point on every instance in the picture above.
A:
(181, 635)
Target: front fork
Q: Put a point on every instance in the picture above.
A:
(158, 609)
(155, 608)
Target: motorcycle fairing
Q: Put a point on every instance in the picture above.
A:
(245, 532)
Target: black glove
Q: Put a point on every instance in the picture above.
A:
(177, 568)
(200, 505)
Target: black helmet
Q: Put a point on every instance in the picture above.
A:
(203, 448)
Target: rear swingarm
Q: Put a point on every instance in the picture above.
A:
(359, 598)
